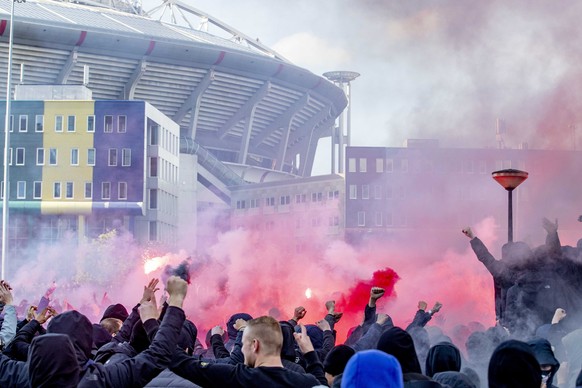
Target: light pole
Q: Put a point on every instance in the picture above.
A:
(509, 179)
(6, 191)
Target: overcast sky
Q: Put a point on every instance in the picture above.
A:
(433, 69)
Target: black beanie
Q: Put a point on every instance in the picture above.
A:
(115, 311)
(337, 358)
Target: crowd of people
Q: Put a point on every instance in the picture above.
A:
(536, 341)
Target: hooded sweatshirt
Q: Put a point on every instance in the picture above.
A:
(53, 362)
(232, 332)
(372, 369)
(513, 364)
(443, 357)
(454, 380)
(542, 350)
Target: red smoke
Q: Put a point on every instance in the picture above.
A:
(358, 296)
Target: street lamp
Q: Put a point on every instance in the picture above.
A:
(509, 179)
(6, 190)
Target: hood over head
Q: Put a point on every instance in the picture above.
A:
(443, 357)
(398, 343)
(315, 335)
(513, 364)
(232, 332)
(52, 362)
(454, 380)
(117, 311)
(370, 369)
(78, 328)
(288, 348)
(188, 334)
(336, 360)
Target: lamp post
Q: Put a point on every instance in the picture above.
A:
(509, 179)
(6, 191)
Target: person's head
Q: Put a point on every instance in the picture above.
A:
(516, 253)
(336, 360)
(52, 362)
(117, 311)
(513, 364)
(372, 368)
(187, 339)
(443, 357)
(542, 350)
(261, 338)
(112, 325)
(78, 328)
(399, 344)
(231, 331)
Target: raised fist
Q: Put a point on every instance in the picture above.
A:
(422, 305)
(376, 293)
(437, 306)
(299, 313)
(468, 232)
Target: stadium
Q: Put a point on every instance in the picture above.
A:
(245, 113)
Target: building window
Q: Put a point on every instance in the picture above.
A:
(108, 127)
(154, 134)
(153, 230)
(121, 124)
(126, 157)
(10, 158)
(112, 157)
(241, 204)
(57, 190)
(105, 190)
(378, 218)
(21, 190)
(270, 201)
(285, 200)
(361, 218)
(69, 190)
(91, 157)
(37, 192)
(255, 203)
(58, 123)
(365, 191)
(122, 190)
(74, 157)
(363, 164)
(88, 190)
(377, 192)
(90, 123)
(20, 156)
(23, 123)
(53, 156)
(353, 192)
(153, 167)
(71, 124)
(39, 123)
(11, 123)
(389, 165)
(300, 198)
(2, 190)
(153, 199)
(352, 165)
(379, 165)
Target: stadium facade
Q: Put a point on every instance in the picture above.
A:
(236, 114)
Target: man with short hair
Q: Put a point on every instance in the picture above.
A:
(261, 347)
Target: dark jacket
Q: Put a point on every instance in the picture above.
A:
(18, 348)
(232, 332)
(240, 375)
(454, 380)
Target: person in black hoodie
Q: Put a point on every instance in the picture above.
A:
(262, 341)
(542, 350)
(232, 331)
(399, 344)
(513, 364)
(443, 357)
(53, 362)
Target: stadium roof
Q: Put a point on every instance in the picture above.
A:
(245, 104)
